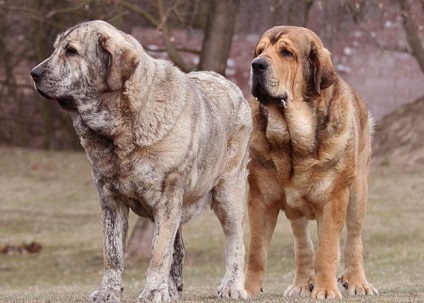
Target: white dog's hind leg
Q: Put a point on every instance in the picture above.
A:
(176, 274)
(230, 206)
(115, 227)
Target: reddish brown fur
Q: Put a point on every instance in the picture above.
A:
(309, 159)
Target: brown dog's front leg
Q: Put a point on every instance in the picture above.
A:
(115, 227)
(330, 225)
(262, 221)
(304, 255)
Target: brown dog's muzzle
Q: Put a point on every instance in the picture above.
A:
(259, 85)
(258, 77)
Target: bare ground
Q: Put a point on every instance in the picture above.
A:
(49, 197)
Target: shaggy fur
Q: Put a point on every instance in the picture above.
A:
(310, 154)
(160, 142)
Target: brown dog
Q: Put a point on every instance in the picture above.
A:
(310, 153)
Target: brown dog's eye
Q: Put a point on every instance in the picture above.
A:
(259, 51)
(286, 53)
(260, 48)
(71, 51)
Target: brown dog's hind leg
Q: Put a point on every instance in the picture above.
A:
(353, 278)
(304, 255)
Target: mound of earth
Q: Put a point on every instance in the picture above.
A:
(399, 136)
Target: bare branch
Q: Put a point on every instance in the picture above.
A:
(167, 39)
(141, 12)
(67, 10)
(33, 14)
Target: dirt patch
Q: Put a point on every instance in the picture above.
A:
(20, 249)
(399, 136)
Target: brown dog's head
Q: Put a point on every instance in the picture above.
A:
(90, 59)
(290, 64)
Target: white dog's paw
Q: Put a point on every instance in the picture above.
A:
(175, 292)
(231, 290)
(106, 296)
(156, 295)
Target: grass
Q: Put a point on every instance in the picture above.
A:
(49, 197)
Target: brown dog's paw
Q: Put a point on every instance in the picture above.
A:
(253, 289)
(326, 293)
(297, 291)
(357, 287)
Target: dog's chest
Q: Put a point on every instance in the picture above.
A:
(308, 192)
(277, 132)
(129, 177)
(138, 179)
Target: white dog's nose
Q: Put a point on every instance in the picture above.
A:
(36, 72)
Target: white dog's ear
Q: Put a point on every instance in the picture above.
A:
(123, 60)
(322, 67)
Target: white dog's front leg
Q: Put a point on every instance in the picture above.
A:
(115, 227)
(167, 220)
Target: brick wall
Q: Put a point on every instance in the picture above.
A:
(385, 79)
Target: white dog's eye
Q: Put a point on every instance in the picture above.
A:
(71, 51)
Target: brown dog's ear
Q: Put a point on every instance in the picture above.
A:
(322, 67)
(123, 61)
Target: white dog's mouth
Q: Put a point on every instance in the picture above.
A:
(66, 102)
(42, 94)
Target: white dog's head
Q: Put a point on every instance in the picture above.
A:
(89, 60)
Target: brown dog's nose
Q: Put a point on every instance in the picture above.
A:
(36, 72)
(259, 66)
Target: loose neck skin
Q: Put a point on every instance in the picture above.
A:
(148, 102)
(308, 121)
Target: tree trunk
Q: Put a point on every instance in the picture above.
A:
(218, 35)
(297, 12)
(411, 31)
(138, 247)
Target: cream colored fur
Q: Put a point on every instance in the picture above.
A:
(160, 142)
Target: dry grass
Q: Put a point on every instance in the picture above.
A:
(49, 197)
